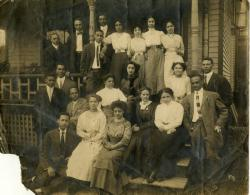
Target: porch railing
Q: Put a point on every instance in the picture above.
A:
(22, 88)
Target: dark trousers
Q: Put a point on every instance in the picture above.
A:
(77, 61)
(94, 81)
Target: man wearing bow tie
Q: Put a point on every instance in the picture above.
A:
(76, 44)
(93, 64)
(205, 115)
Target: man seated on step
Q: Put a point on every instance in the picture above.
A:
(57, 147)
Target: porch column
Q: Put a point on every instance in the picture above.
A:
(205, 28)
(91, 4)
(195, 36)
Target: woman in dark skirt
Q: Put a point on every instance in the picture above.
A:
(120, 41)
(106, 174)
(168, 120)
(139, 149)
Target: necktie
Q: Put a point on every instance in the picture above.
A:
(50, 94)
(60, 84)
(205, 80)
(198, 103)
(97, 56)
(62, 142)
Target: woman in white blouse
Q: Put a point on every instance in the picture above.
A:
(120, 41)
(174, 46)
(109, 94)
(179, 82)
(153, 74)
(90, 127)
(168, 118)
(138, 49)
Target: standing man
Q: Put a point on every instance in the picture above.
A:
(63, 82)
(93, 64)
(103, 25)
(216, 83)
(76, 43)
(48, 105)
(57, 148)
(54, 54)
(204, 116)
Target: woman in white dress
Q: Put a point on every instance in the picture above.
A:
(109, 94)
(153, 74)
(179, 82)
(138, 49)
(90, 127)
(174, 46)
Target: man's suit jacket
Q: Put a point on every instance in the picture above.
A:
(52, 154)
(71, 44)
(88, 57)
(80, 107)
(48, 111)
(213, 111)
(220, 84)
(55, 56)
(68, 83)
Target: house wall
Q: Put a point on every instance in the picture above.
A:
(24, 36)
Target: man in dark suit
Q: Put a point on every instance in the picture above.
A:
(54, 54)
(204, 116)
(63, 82)
(76, 42)
(48, 104)
(216, 83)
(93, 64)
(57, 148)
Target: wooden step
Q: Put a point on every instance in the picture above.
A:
(183, 162)
(174, 183)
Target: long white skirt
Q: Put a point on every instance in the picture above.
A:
(80, 162)
(170, 58)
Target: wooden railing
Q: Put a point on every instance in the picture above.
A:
(22, 88)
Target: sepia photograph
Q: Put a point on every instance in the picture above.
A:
(125, 97)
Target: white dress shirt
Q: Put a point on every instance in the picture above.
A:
(63, 133)
(55, 46)
(94, 65)
(104, 29)
(196, 115)
(60, 81)
(79, 45)
(49, 92)
(110, 95)
(208, 76)
(152, 37)
(169, 116)
(120, 41)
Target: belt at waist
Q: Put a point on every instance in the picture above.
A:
(154, 46)
(120, 50)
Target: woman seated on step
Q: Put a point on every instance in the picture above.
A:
(164, 140)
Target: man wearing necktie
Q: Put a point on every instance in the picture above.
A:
(93, 65)
(57, 148)
(205, 116)
(76, 43)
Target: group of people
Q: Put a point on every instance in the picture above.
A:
(137, 114)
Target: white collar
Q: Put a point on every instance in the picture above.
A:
(97, 44)
(209, 74)
(104, 27)
(49, 88)
(55, 46)
(200, 91)
(144, 106)
(65, 130)
(61, 78)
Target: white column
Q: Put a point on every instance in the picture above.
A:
(195, 35)
(91, 4)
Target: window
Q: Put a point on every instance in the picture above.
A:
(3, 48)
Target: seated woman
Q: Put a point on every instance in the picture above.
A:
(110, 94)
(139, 147)
(105, 168)
(90, 127)
(130, 86)
(168, 118)
(179, 82)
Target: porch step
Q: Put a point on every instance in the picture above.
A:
(174, 183)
